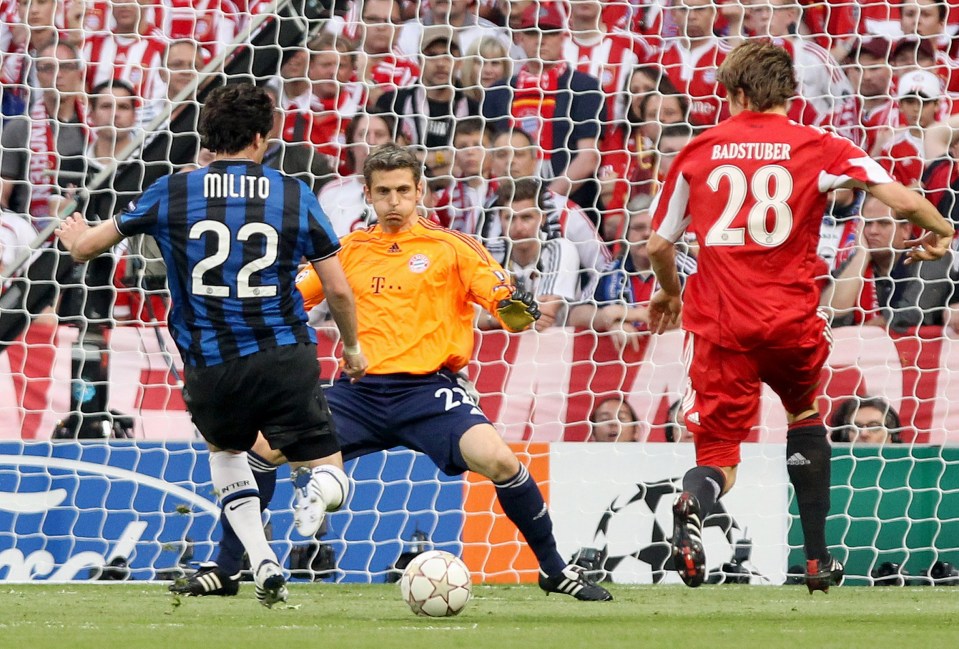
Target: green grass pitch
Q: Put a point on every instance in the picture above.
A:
(144, 616)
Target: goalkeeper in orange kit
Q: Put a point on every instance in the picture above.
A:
(415, 284)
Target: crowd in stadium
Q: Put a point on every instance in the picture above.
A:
(551, 124)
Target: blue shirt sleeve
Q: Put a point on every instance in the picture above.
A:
(143, 214)
(321, 240)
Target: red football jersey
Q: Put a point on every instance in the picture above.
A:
(694, 72)
(903, 157)
(134, 59)
(610, 58)
(753, 191)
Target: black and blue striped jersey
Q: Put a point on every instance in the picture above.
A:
(233, 235)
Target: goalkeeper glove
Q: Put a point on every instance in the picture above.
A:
(518, 312)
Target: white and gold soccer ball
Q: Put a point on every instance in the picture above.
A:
(436, 584)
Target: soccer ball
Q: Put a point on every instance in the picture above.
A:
(436, 584)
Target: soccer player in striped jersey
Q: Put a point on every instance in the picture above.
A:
(753, 191)
(416, 284)
(232, 235)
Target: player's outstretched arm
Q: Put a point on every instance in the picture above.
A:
(518, 312)
(666, 305)
(919, 211)
(339, 296)
(84, 242)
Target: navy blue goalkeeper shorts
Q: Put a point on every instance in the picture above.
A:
(426, 413)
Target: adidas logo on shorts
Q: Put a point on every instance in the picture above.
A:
(797, 459)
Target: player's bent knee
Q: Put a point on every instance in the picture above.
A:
(502, 465)
(486, 453)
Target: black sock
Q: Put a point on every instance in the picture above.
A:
(808, 458)
(229, 557)
(707, 484)
(523, 504)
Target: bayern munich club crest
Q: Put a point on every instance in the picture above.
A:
(419, 263)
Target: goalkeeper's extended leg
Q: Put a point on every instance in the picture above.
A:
(522, 502)
(808, 462)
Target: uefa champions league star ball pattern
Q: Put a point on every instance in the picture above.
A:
(436, 584)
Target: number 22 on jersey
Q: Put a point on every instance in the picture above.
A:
(223, 244)
(770, 219)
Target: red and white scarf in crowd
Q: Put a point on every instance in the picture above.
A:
(331, 118)
(534, 104)
(44, 159)
(457, 207)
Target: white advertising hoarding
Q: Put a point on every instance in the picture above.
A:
(617, 498)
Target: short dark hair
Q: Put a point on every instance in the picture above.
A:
(510, 132)
(470, 126)
(662, 85)
(678, 129)
(232, 117)
(110, 84)
(763, 71)
(521, 189)
(390, 157)
(842, 418)
(943, 8)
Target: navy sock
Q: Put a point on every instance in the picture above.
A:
(229, 557)
(707, 484)
(808, 462)
(523, 504)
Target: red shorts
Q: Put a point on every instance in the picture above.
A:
(721, 404)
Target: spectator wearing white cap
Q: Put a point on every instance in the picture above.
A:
(904, 154)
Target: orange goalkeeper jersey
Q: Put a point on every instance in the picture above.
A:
(414, 293)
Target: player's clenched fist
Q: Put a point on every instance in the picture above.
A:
(354, 363)
(518, 312)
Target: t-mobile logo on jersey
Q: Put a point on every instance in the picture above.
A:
(377, 284)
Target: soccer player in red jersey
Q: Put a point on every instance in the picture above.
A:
(753, 191)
